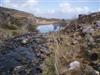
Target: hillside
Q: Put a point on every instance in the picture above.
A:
(90, 18)
(76, 48)
(17, 13)
(14, 22)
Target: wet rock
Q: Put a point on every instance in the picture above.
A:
(23, 55)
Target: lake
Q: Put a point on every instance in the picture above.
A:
(48, 28)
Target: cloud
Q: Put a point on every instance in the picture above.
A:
(98, 9)
(65, 10)
(57, 8)
(37, 10)
(25, 5)
(82, 9)
(51, 11)
(68, 8)
(30, 3)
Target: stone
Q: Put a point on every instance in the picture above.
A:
(87, 29)
(97, 72)
(18, 68)
(74, 65)
(24, 41)
(89, 39)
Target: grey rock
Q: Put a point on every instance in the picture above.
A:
(19, 59)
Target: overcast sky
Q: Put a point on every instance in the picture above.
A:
(54, 8)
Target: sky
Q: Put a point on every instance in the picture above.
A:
(54, 8)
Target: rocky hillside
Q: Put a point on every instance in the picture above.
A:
(18, 14)
(14, 22)
(76, 48)
(25, 53)
(15, 18)
(90, 18)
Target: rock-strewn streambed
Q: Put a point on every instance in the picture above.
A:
(23, 55)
